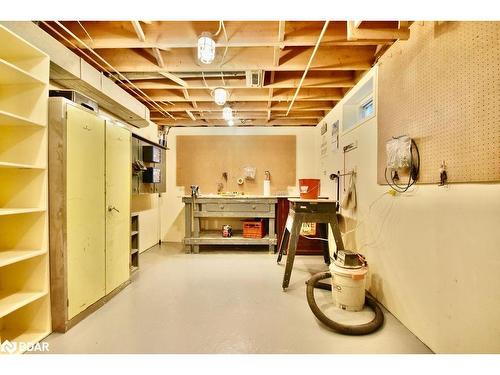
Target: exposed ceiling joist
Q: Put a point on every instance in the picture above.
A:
(174, 78)
(241, 106)
(356, 33)
(158, 57)
(237, 59)
(191, 116)
(303, 76)
(138, 31)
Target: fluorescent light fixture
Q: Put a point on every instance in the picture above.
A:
(220, 96)
(206, 48)
(230, 122)
(227, 113)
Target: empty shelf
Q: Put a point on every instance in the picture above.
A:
(215, 238)
(133, 251)
(4, 164)
(133, 233)
(11, 119)
(12, 75)
(17, 211)
(13, 256)
(11, 301)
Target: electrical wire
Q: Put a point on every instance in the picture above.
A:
(133, 87)
(367, 215)
(227, 43)
(314, 238)
(218, 30)
(413, 173)
(380, 231)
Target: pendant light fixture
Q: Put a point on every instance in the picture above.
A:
(220, 95)
(227, 113)
(206, 48)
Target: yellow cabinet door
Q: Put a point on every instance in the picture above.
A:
(118, 189)
(85, 209)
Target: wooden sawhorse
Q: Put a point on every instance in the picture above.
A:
(306, 211)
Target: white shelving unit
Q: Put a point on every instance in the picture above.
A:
(24, 259)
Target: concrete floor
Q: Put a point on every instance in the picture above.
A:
(223, 302)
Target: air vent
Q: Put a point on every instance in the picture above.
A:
(254, 78)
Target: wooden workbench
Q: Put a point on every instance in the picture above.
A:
(216, 206)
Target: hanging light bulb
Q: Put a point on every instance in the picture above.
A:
(220, 96)
(227, 113)
(230, 122)
(206, 48)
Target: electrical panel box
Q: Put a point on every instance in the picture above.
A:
(152, 176)
(151, 154)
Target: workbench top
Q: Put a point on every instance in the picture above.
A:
(248, 196)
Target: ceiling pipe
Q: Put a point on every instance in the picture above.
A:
(325, 26)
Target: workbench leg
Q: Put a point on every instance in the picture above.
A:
(187, 226)
(336, 232)
(272, 236)
(196, 229)
(292, 249)
(283, 244)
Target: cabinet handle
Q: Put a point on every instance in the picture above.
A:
(221, 207)
(111, 208)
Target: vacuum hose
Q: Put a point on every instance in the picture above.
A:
(345, 329)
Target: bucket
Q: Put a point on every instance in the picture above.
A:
(309, 188)
(348, 287)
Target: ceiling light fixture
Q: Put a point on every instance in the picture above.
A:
(227, 113)
(220, 96)
(206, 48)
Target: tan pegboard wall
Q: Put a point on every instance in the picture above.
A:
(442, 88)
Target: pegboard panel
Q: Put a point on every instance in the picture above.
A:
(201, 160)
(442, 88)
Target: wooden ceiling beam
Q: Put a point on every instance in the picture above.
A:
(281, 95)
(243, 59)
(299, 106)
(356, 33)
(285, 79)
(168, 35)
(249, 122)
(246, 115)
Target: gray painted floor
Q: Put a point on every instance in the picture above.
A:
(223, 302)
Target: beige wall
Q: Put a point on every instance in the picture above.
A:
(434, 252)
(172, 218)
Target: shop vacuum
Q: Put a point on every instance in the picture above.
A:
(347, 271)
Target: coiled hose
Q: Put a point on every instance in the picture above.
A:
(345, 329)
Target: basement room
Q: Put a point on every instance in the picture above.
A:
(218, 179)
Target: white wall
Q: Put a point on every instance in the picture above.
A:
(433, 253)
(172, 218)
